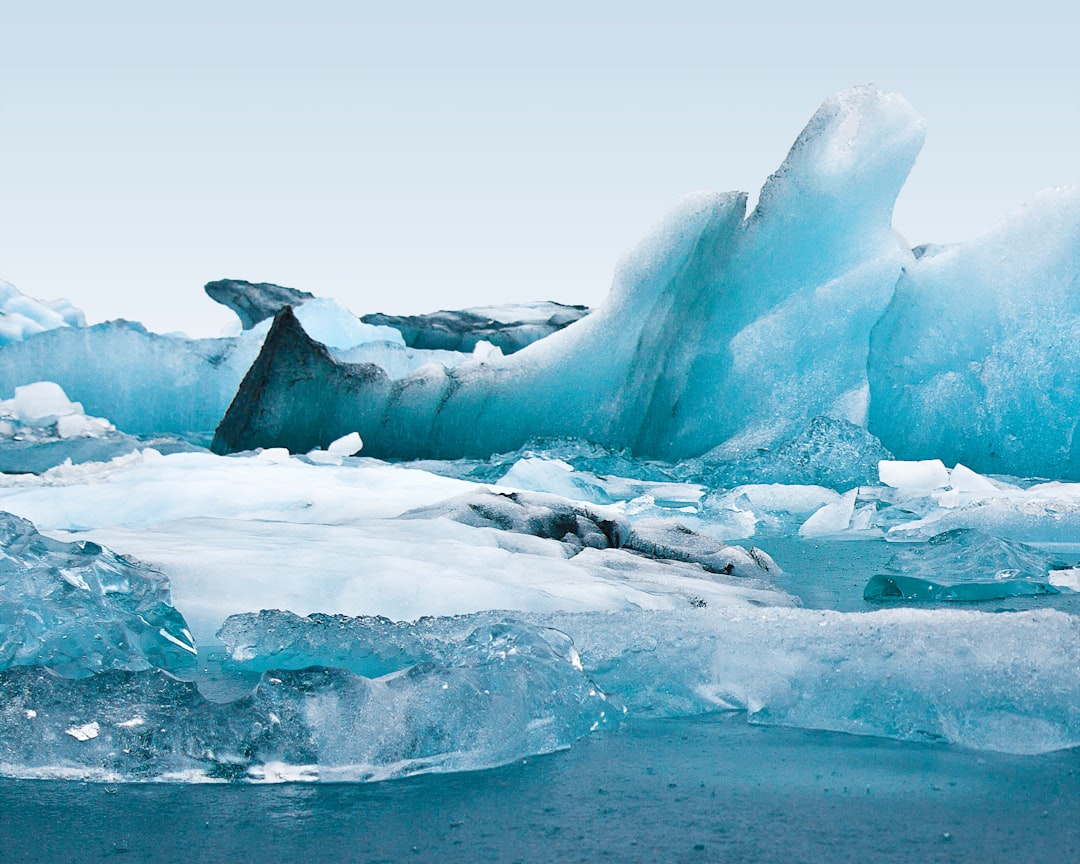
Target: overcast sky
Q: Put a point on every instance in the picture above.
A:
(407, 156)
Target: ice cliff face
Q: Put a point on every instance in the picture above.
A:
(977, 358)
(720, 329)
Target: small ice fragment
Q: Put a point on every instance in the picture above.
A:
(484, 350)
(346, 445)
(963, 479)
(1068, 579)
(916, 476)
(40, 400)
(832, 517)
(85, 732)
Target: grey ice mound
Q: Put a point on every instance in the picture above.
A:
(578, 526)
(254, 301)
(508, 327)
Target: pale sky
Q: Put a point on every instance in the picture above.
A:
(408, 156)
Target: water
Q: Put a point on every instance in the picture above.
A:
(709, 788)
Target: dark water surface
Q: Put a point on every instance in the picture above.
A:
(700, 789)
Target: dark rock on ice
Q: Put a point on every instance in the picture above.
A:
(78, 609)
(254, 301)
(289, 396)
(579, 527)
(509, 328)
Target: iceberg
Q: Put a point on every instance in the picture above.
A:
(143, 382)
(151, 384)
(721, 330)
(78, 609)
(22, 316)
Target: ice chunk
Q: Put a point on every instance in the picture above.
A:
(1067, 579)
(909, 589)
(504, 691)
(914, 476)
(975, 357)
(78, 609)
(832, 518)
(43, 400)
(22, 316)
(346, 445)
(508, 328)
(964, 565)
(719, 329)
(579, 527)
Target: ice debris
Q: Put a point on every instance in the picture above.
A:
(78, 609)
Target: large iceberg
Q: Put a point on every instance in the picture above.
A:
(152, 384)
(720, 329)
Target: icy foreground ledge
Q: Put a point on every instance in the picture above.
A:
(78, 609)
(504, 691)
(988, 681)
